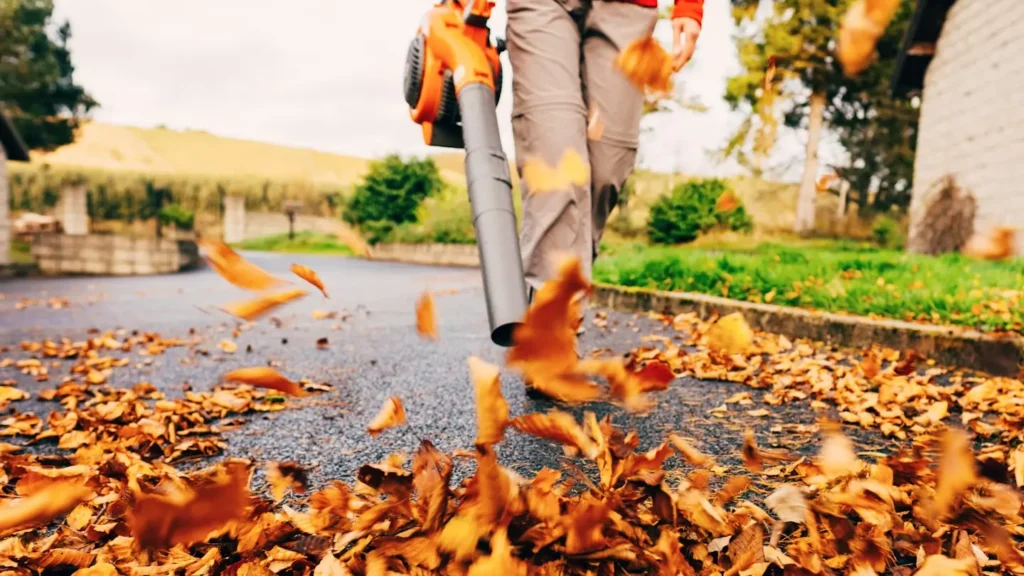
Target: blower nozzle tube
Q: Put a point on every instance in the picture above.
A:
(494, 218)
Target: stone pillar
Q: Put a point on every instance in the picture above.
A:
(73, 211)
(5, 217)
(234, 219)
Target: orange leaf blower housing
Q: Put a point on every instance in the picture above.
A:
(452, 49)
(452, 84)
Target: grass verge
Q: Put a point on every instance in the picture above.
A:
(305, 242)
(848, 278)
(21, 252)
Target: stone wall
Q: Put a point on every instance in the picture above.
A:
(5, 217)
(432, 254)
(107, 254)
(972, 125)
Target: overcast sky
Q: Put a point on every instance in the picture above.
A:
(325, 74)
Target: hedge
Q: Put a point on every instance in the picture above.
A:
(123, 195)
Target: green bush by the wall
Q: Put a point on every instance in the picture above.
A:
(181, 217)
(392, 190)
(690, 210)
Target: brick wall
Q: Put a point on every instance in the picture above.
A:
(5, 217)
(972, 119)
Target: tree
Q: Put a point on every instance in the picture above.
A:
(799, 36)
(37, 87)
(392, 190)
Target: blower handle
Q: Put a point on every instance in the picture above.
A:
(494, 218)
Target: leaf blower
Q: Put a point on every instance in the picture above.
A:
(452, 85)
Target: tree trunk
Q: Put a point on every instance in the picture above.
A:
(844, 194)
(804, 223)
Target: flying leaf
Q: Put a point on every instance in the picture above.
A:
(730, 335)
(183, 515)
(237, 270)
(837, 457)
(996, 244)
(788, 504)
(726, 202)
(285, 476)
(491, 407)
(957, 471)
(571, 171)
(647, 65)
(310, 275)
(595, 125)
(864, 23)
(689, 453)
(264, 377)
(426, 317)
(559, 427)
(501, 560)
(252, 309)
(391, 414)
(431, 472)
(38, 509)
(352, 239)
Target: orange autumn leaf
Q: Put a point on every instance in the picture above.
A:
(252, 309)
(559, 427)
(38, 509)
(769, 73)
(353, 240)
(939, 565)
(864, 23)
(647, 65)
(997, 244)
(491, 407)
(309, 275)
(501, 561)
(284, 477)
(237, 270)
(571, 171)
(689, 453)
(426, 316)
(730, 335)
(623, 384)
(726, 202)
(957, 472)
(183, 515)
(264, 377)
(391, 414)
(545, 343)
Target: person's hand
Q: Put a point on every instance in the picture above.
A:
(684, 41)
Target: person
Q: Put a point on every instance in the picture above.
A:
(563, 56)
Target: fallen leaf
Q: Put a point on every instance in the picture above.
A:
(426, 318)
(559, 427)
(939, 565)
(284, 477)
(227, 346)
(491, 407)
(500, 560)
(391, 414)
(330, 566)
(263, 377)
(101, 569)
(309, 275)
(38, 509)
(252, 309)
(237, 270)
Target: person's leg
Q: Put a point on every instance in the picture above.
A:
(549, 117)
(610, 27)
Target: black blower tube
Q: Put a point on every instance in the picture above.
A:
(494, 217)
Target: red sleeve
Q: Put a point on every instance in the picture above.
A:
(689, 9)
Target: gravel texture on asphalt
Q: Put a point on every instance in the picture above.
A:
(372, 354)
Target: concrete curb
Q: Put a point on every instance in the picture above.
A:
(465, 255)
(997, 354)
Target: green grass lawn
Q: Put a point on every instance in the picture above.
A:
(21, 252)
(841, 277)
(305, 242)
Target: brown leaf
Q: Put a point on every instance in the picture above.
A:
(730, 335)
(647, 65)
(100, 569)
(571, 171)
(491, 407)
(237, 270)
(183, 515)
(957, 472)
(732, 488)
(689, 453)
(263, 377)
(285, 476)
(391, 414)
(908, 364)
(426, 317)
(747, 547)
(431, 471)
(500, 561)
(330, 566)
(38, 509)
(939, 565)
(751, 454)
(864, 23)
(493, 486)
(252, 309)
(870, 366)
(310, 275)
(66, 557)
(559, 427)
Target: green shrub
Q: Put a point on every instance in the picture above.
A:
(444, 218)
(887, 232)
(689, 210)
(393, 190)
(181, 217)
(378, 231)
